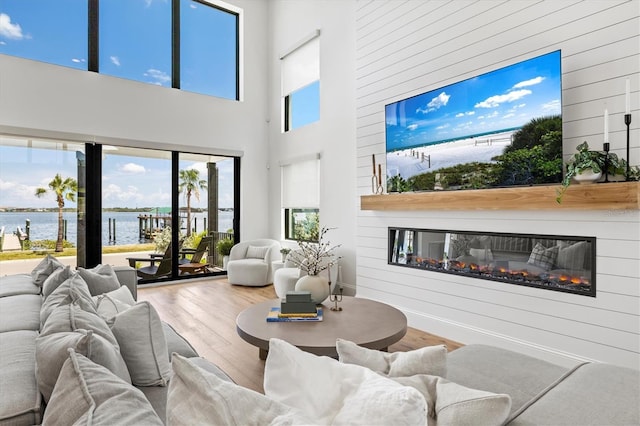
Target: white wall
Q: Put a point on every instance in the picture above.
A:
(333, 135)
(408, 48)
(38, 99)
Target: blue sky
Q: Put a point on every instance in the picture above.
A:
(135, 40)
(502, 99)
(128, 180)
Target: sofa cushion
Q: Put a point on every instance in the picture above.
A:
(56, 278)
(255, 252)
(501, 371)
(51, 353)
(44, 269)
(428, 360)
(10, 285)
(101, 279)
(597, 394)
(196, 396)
(108, 305)
(333, 392)
(143, 345)
(74, 316)
(459, 405)
(20, 312)
(88, 393)
(543, 257)
(21, 403)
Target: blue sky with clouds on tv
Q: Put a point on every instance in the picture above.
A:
(502, 99)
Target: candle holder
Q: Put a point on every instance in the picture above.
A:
(376, 185)
(335, 298)
(627, 121)
(606, 161)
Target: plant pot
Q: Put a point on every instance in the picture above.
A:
(315, 284)
(587, 176)
(225, 262)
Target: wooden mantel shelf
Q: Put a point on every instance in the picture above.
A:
(599, 196)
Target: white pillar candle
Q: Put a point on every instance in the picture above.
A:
(627, 104)
(606, 125)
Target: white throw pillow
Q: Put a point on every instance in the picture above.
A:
(143, 345)
(87, 393)
(110, 304)
(199, 397)
(330, 392)
(428, 360)
(101, 279)
(70, 290)
(45, 268)
(254, 252)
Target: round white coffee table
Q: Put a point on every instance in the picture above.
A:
(365, 322)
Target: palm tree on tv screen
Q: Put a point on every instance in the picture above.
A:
(190, 184)
(64, 190)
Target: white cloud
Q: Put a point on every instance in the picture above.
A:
(113, 192)
(531, 82)
(412, 126)
(157, 76)
(132, 168)
(115, 60)
(460, 114)
(439, 101)
(76, 60)
(496, 100)
(8, 29)
(554, 106)
(509, 115)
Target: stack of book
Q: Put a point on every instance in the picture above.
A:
(296, 306)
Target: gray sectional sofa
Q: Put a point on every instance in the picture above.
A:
(21, 302)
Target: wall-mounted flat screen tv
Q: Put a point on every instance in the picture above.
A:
(498, 129)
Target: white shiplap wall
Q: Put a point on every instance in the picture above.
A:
(404, 48)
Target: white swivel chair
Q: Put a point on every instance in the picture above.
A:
(251, 262)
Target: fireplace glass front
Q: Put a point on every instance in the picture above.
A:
(560, 263)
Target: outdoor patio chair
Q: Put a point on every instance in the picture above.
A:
(158, 266)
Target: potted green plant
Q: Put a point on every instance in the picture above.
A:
(224, 248)
(284, 251)
(583, 163)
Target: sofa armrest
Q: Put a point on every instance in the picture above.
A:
(127, 276)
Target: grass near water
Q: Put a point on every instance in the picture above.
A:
(36, 254)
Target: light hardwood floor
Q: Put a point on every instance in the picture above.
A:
(205, 311)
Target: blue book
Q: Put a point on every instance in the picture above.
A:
(274, 316)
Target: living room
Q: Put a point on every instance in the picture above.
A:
(371, 54)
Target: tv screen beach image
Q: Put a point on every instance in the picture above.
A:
(498, 129)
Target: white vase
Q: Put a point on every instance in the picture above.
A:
(225, 262)
(315, 284)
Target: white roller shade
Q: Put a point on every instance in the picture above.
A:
(301, 184)
(301, 66)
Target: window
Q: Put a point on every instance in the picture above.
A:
(122, 203)
(300, 199)
(135, 40)
(208, 49)
(300, 68)
(194, 46)
(49, 31)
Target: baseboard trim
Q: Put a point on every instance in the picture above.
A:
(465, 334)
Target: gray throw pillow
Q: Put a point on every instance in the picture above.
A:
(143, 345)
(51, 353)
(74, 316)
(71, 289)
(56, 278)
(101, 279)
(87, 393)
(44, 269)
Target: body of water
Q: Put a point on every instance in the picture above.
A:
(44, 225)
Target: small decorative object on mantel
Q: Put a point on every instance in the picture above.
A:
(314, 258)
(376, 178)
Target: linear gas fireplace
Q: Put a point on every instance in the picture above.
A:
(551, 262)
